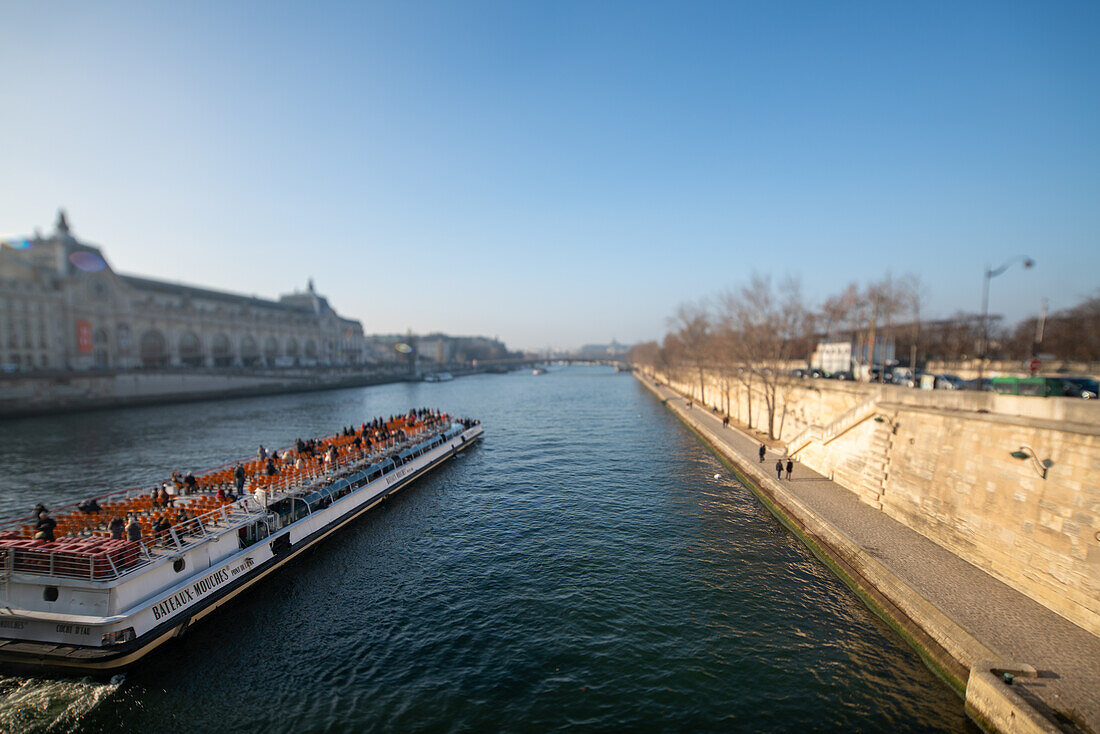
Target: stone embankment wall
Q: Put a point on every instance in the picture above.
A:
(940, 462)
(33, 394)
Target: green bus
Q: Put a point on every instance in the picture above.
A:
(1044, 387)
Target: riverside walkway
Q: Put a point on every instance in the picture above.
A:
(954, 607)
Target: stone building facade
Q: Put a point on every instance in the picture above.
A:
(63, 307)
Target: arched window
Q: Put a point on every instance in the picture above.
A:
(190, 350)
(250, 352)
(221, 350)
(154, 349)
(271, 351)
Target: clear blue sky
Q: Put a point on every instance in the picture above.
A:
(560, 172)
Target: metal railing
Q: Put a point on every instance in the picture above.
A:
(98, 558)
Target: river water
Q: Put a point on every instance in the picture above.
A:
(580, 569)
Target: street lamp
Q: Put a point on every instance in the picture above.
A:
(990, 274)
(1040, 466)
(886, 419)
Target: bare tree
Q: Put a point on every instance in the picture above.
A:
(693, 327)
(769, 324)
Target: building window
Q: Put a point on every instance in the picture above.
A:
(123, 338)
(190, 350)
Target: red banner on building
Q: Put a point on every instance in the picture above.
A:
(83, 337)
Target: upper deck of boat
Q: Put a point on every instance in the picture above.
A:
(83, 549)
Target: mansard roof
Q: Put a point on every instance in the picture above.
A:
(179, 289)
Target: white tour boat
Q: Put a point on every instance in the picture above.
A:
(89, 602)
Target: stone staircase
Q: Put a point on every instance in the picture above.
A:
(840, 425)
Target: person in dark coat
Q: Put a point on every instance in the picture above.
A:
(116, 527)
(761, 452)
(778, 468)
(43, 529)
(790, 467)
(238, 476)
(726, 422)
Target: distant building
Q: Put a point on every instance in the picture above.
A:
(434, 349)
(846, 356)
(614, 350)
(63, 307)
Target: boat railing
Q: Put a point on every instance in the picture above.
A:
(105, 559)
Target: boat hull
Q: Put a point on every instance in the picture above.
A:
(38, 657)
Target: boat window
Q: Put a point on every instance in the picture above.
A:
(178, 565)
(50, 593)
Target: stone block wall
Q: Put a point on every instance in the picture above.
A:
(940, 462)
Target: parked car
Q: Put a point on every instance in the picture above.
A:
(985, 385)
(1081, 387)
(906, 377)
(949, 382)
(841, 376)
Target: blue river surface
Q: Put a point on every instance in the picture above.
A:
(580, 569)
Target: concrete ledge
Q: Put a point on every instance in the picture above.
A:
(996, 706)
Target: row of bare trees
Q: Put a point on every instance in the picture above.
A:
(751, 336)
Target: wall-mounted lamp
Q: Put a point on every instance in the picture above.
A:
(1026, 452)
(884, 419)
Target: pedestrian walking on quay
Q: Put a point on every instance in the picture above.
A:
(778, 468)
(790, 467)
(726, 422)
(762, 451)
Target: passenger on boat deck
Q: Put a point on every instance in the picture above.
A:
(160, 527)
(275, 455)
(262, 453)
(190, 484)
(154, 494)
(133, 529)
(164, 497)
(221, 493)
(238, 476)
(44, 527)
(299, 463)
(270, 469)
(116, 526)
(91, 507)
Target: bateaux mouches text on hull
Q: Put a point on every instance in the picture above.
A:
(97, 586)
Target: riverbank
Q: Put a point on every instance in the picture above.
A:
(66, 392)
(963, 622)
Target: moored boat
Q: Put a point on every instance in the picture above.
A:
(85, 601)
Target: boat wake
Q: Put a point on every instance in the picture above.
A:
(50, 705)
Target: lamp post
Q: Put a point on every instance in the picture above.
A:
(990, 274)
